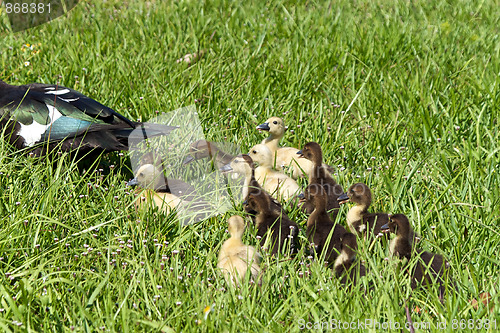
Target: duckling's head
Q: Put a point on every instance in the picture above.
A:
(258, 202)
(399, 225)
(275, 126)
(148, 176)
(242, 164)
(311, 151)
(349, 246)
(200, 149)
(261, 155)
(236, 226)
(358, 193)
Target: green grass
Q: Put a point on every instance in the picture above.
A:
(403, 96)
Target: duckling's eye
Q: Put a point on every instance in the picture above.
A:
(275, 122)
(254, 151)
(141, 174)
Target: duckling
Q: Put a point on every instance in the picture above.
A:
(429, 268)
(284, 157)
(243, 165)
(273, 181)
(345, 266)
(235, 258)
(358, 218)
(167, 194)
(46, 117)
(321, 177)
(320, 226)
(283, 231)
(203, 149)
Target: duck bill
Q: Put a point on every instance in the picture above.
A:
(264, 127)
(301, 155)
(133, 182)
(188, 159)
(343, 198)
(226, 168)
(385, 228)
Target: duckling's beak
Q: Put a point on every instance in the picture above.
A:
(226, 168)
(343, 198)
(264, 127)
(385, 228)
(301, 155)
(245, 202)
(301, 196)
(188, 160)
(133, 182)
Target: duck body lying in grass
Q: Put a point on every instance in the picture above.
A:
(236, 259)
(322, 232)
(358, 219)
(44, 118)
(429, 268)
(284, 157)
(346, 267)
(274, 223)
(320, 177)
(243, 165)
(274, 182)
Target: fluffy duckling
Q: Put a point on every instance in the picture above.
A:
(321, 177)
(273, 181)
(236, 258)
(167, 194)
(358, 218)
(429, 268)
(243, 165)
(320, 225)
(284, 232)
(345, 266)
(202, 149)
(284, 157)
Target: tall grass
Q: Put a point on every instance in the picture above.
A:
(403, 96)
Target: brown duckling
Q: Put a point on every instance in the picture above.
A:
(345, 265)
(429, 268)
(243, 165)
(235, 258)
(320, 225)
(284, 232)
(284, 157)
(358, 218)
(276, 183)
(321, 177)
(202, 149)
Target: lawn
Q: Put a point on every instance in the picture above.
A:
(403, 96)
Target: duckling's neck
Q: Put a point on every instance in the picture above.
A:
(249, 179)
(344, 259)
(355, 215)
(319, 213)
(402, 245)
(272, 142)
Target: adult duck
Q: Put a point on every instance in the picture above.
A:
(47, 117)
